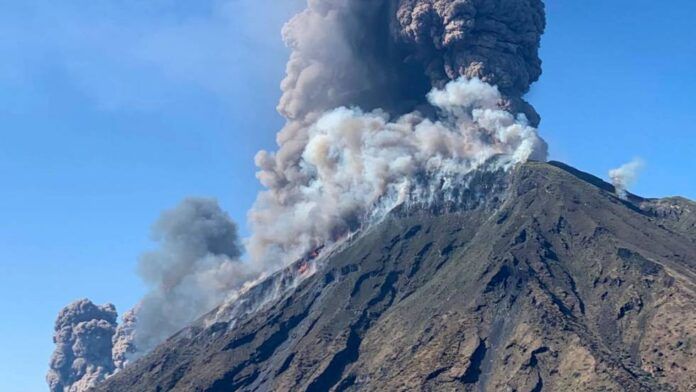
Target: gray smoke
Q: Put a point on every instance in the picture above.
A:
(82, 358)
(124, 349)
(195, 267)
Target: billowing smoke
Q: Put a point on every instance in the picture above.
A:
(625, 176)
(195, 267)
(82, 358)
(124, 349)
(389, 53)
(377, 94)
(377, 61)
(354, 160)
(496, 41)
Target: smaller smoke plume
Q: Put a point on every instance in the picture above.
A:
(196, 267)
(625, 176)
(82, 358)
(123, 344)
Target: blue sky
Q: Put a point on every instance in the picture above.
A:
(111, 111)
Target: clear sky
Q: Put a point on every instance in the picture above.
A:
(111, 111)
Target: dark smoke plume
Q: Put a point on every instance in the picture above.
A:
(388, 54)
(82, 358)
(195, 268)
(496, 41)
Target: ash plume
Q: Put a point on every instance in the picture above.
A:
(625, 176)
(378, 91)
(496, 41)
(82, 358)
(389, 53)
(194, 269)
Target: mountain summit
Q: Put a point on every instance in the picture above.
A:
(538, 279)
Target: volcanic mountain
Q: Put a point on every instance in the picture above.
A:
(538, 278)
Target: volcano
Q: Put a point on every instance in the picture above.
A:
(538, 278)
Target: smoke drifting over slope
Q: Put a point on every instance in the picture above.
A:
(377, 94)
(82, 357)
(196, 266)
(625, 176)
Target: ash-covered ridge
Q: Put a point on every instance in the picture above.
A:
(544, 280)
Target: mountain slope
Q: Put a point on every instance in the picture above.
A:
(537, 279)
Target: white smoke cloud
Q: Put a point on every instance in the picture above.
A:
(353, 160)
(625, 176)
(354, 167)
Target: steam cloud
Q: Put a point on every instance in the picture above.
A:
(625, 176)
(82, 358)
(377, 94)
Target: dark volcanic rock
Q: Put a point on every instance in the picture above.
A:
(550, 283)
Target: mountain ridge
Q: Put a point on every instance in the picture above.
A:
(543, 280)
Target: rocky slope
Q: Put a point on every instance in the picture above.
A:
(539, 279)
